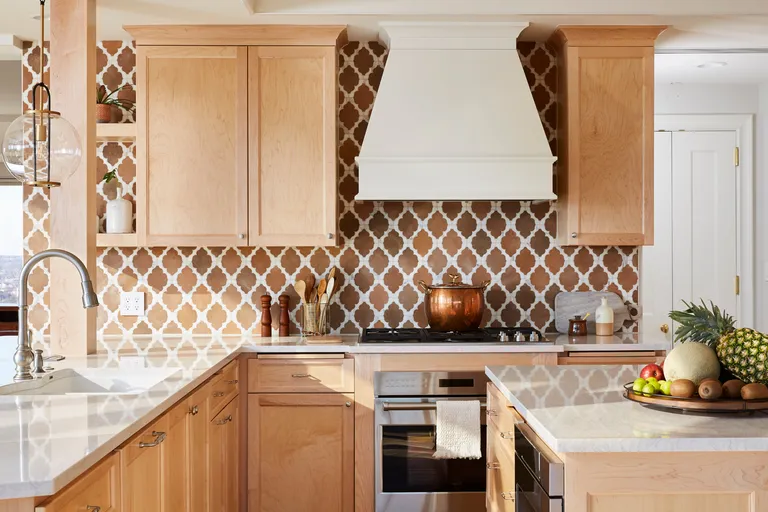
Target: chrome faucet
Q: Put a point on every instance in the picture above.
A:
(24, 356)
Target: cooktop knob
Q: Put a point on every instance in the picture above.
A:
(519, 337)
(503, 337)
(535, 336)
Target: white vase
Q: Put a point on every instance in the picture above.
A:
(119, 214)
(604, 319)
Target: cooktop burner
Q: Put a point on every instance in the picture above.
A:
(515, 335)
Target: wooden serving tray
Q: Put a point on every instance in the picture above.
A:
(696, 404)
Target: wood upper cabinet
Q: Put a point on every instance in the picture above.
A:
(192, 145)
(99, 488)
(300, 452)
(223, 456)
(605, 134)
(292, 103)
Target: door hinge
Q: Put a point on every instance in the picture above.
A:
(737, 285)
(736, 156)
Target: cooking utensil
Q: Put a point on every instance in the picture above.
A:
(454, 306)
(331, 288)
(321, 287)
(301, 288)
(310, 293)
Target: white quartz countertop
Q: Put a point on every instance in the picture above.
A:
(47, 441)
(582, 409)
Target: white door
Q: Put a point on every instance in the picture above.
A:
(695, 206)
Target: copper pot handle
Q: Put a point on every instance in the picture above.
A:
(425, 287)
(455, 278)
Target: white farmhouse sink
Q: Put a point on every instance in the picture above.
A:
(91, 381)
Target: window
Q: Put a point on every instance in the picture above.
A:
(11, 241)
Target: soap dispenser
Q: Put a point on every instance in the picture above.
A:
(604, 318)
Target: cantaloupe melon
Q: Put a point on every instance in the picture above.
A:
(692, 361)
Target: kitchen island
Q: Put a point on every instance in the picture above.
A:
(621, 456)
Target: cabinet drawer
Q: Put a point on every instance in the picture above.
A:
(499, 412)
(223, 388)
(294, 375)
(98, 488)
(500, 475)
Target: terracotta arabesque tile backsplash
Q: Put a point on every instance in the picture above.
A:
(385, 247)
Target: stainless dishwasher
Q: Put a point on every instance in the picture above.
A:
(539, 474)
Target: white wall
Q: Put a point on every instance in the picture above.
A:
(734, 99)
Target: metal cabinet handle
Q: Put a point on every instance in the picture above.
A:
(664, 328)
(507, 435)
(241, 236)
(194, 410)
(235, 381)
(300, 375)
(224, 421)
(573, 235)
(95, 508)
(159, 438)
(509, 496)
(330, 236)
(218, 394)
(492, 465)
(348, 404)
(491, 412)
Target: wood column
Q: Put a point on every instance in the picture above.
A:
(73, 206)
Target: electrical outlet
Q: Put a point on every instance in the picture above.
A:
(132, 303)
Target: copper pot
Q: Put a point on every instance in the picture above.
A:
(454, 306)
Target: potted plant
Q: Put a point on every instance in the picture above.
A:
(105, 102)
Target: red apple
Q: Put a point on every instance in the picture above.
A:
(652, 370)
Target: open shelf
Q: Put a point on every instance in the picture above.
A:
(117, 240)
(116, 132)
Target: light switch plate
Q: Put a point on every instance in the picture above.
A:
(132, 303)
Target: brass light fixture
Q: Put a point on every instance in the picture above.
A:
(40, 141)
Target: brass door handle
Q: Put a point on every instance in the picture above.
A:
(95, 508)
(234, 381)
(664, 328)
(224, 420)
(509, 496)
(194, 410)
(507, 435)
(218, 394)
(300, 375)
(159, 438)
(492, 465)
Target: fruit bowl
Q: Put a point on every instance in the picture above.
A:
(696, 404)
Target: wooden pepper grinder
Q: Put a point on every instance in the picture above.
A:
(285, 322)
(266, 316)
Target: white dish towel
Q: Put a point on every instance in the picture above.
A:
(458, 429)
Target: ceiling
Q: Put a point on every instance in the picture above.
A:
(696, 23)
(712, 68)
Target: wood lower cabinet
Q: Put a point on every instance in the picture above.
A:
(223, 458)
(175, 460)
(192, 145)
(605, 140)
(300, 452)
(197, 455)
(99, 489)
(141, 469)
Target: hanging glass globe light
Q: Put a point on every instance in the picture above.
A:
(41, 148)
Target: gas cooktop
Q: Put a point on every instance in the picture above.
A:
(514, 335)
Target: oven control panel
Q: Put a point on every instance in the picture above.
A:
(429, 383)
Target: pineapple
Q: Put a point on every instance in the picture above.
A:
(744, 352)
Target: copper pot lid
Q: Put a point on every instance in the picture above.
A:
(454, 284)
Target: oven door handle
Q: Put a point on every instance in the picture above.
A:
(393, 406)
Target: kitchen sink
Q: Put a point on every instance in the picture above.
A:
(91, 381)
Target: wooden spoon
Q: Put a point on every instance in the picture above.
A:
(331, 287)
(331, 274)
(310, 290)
(321, 287)
(301, 288)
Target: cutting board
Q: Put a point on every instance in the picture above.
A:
(570, 304)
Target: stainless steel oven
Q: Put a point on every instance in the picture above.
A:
(539, 474)
(408, 478)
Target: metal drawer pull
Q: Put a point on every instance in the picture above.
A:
(95, 508)
(225, 420)
(194, 410)
(509, 496)
(491, 412)
(300, 375)
(492, 465)
(507, 435)
(159, 438)
(218, 394)
(431, 406)
(235, 381)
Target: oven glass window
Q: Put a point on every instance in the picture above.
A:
(408, 466)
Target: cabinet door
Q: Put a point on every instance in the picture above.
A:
(99, 488)
(300, 452)
(223, 459)
(198, 449)
(292, 100)
(141, 469)
(606, 191)
(175, 461)
(192, 145)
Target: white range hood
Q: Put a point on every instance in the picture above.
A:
(454, 118)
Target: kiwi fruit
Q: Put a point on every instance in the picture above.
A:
(708, 378)
(732, 388)
(682, 388)
(754, 391)
(710, 389)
